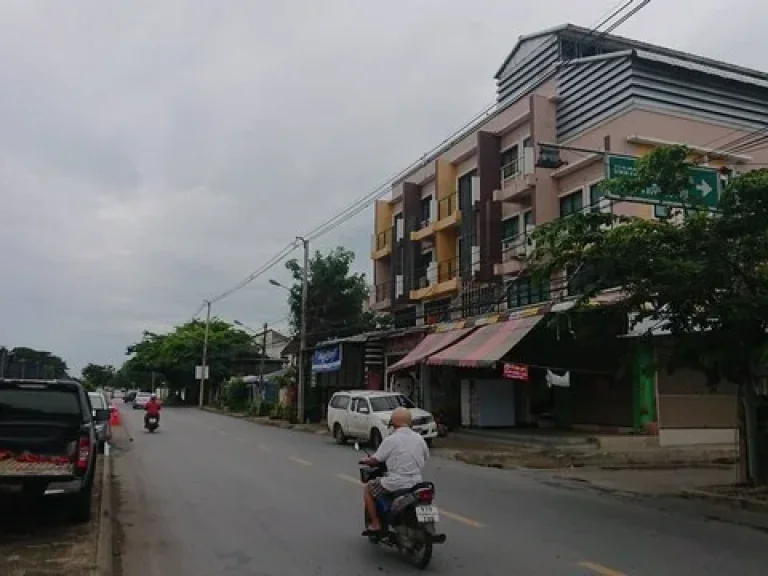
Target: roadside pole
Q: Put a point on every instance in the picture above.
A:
(204, 364)
(303, 343)
(263, 355)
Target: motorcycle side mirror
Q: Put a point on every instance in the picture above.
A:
(357, 447)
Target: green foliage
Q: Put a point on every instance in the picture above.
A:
(236, 395)
(176, 353)
(335, 297)
(32, 363)
(704, 279)
(98, 376)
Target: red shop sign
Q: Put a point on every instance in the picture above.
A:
(516, 372)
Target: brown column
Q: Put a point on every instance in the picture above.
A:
(489, 215)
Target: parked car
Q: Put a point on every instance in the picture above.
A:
(365, 415)
(141, 400)
(103, 427)
(48, 440)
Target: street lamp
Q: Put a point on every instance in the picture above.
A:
(276, 283)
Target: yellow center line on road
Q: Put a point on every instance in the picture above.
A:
(300, 461)
(453, 516)
(601, 570)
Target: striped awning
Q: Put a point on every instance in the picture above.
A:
(487, 345)
(432, 344)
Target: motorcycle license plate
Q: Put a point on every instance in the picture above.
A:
(427, 514)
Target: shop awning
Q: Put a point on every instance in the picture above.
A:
(487, 345)
(432, 344)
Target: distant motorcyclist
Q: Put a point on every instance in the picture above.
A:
(152, 410)
(405, 453)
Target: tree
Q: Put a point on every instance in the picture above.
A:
(98, 376)
(24, 362)
(704, 279)
(336, 297)
(176, 353)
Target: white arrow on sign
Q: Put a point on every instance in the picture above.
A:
(704, 188)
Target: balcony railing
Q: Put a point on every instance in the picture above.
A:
(447, 206)
(384, 239)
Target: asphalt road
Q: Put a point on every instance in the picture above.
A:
(211, 495)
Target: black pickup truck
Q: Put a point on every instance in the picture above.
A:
(48, 442)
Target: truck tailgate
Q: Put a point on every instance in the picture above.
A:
(13, 469)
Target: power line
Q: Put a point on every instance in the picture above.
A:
(365, 201)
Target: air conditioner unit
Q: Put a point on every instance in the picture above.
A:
(433, 210)
(522, 250)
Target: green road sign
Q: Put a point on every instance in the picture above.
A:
(704, 187)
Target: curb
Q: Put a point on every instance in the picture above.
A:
(282, 424)
(724, 499)
(104, 554)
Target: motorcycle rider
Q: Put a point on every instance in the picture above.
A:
(152, 409)
(405, 453)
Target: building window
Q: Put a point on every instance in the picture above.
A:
(596, 194)
(527, 221)
(524, 291)
(509, 162)
(571, 203)
(510, 228)
(426, 208)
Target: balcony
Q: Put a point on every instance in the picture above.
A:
(381, 244)
(448, 213)
(517, 179)
(514, 252)
(381, 296)
(439, 279)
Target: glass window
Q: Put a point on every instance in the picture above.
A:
(596, 194)
(524, 291)
(34, 402)
(509, 160)
(97, 401)
(425, 210)
(571, 203)
(528, 220)
(389, 403)
(510, 228)
(362, 405)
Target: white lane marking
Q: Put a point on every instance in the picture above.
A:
(300, 461)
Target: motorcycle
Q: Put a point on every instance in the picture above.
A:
(408, 518)
(152, 423)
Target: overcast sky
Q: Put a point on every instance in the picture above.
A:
(154, 152)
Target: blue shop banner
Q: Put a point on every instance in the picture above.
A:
(327, 359)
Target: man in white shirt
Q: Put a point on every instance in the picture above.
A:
(405, 453)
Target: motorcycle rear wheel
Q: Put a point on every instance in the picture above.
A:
(421, 556)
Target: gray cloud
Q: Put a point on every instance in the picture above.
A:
(154, 153)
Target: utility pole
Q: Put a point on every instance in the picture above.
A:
(263, 357)
(303, 342)
(204, 365)
(153, 382)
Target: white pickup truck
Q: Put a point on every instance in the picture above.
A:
(365, 414)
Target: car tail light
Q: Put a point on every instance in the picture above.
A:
(425, 495)
(83, 453)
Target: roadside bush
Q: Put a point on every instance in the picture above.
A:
(278, 412)
(235, 395)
